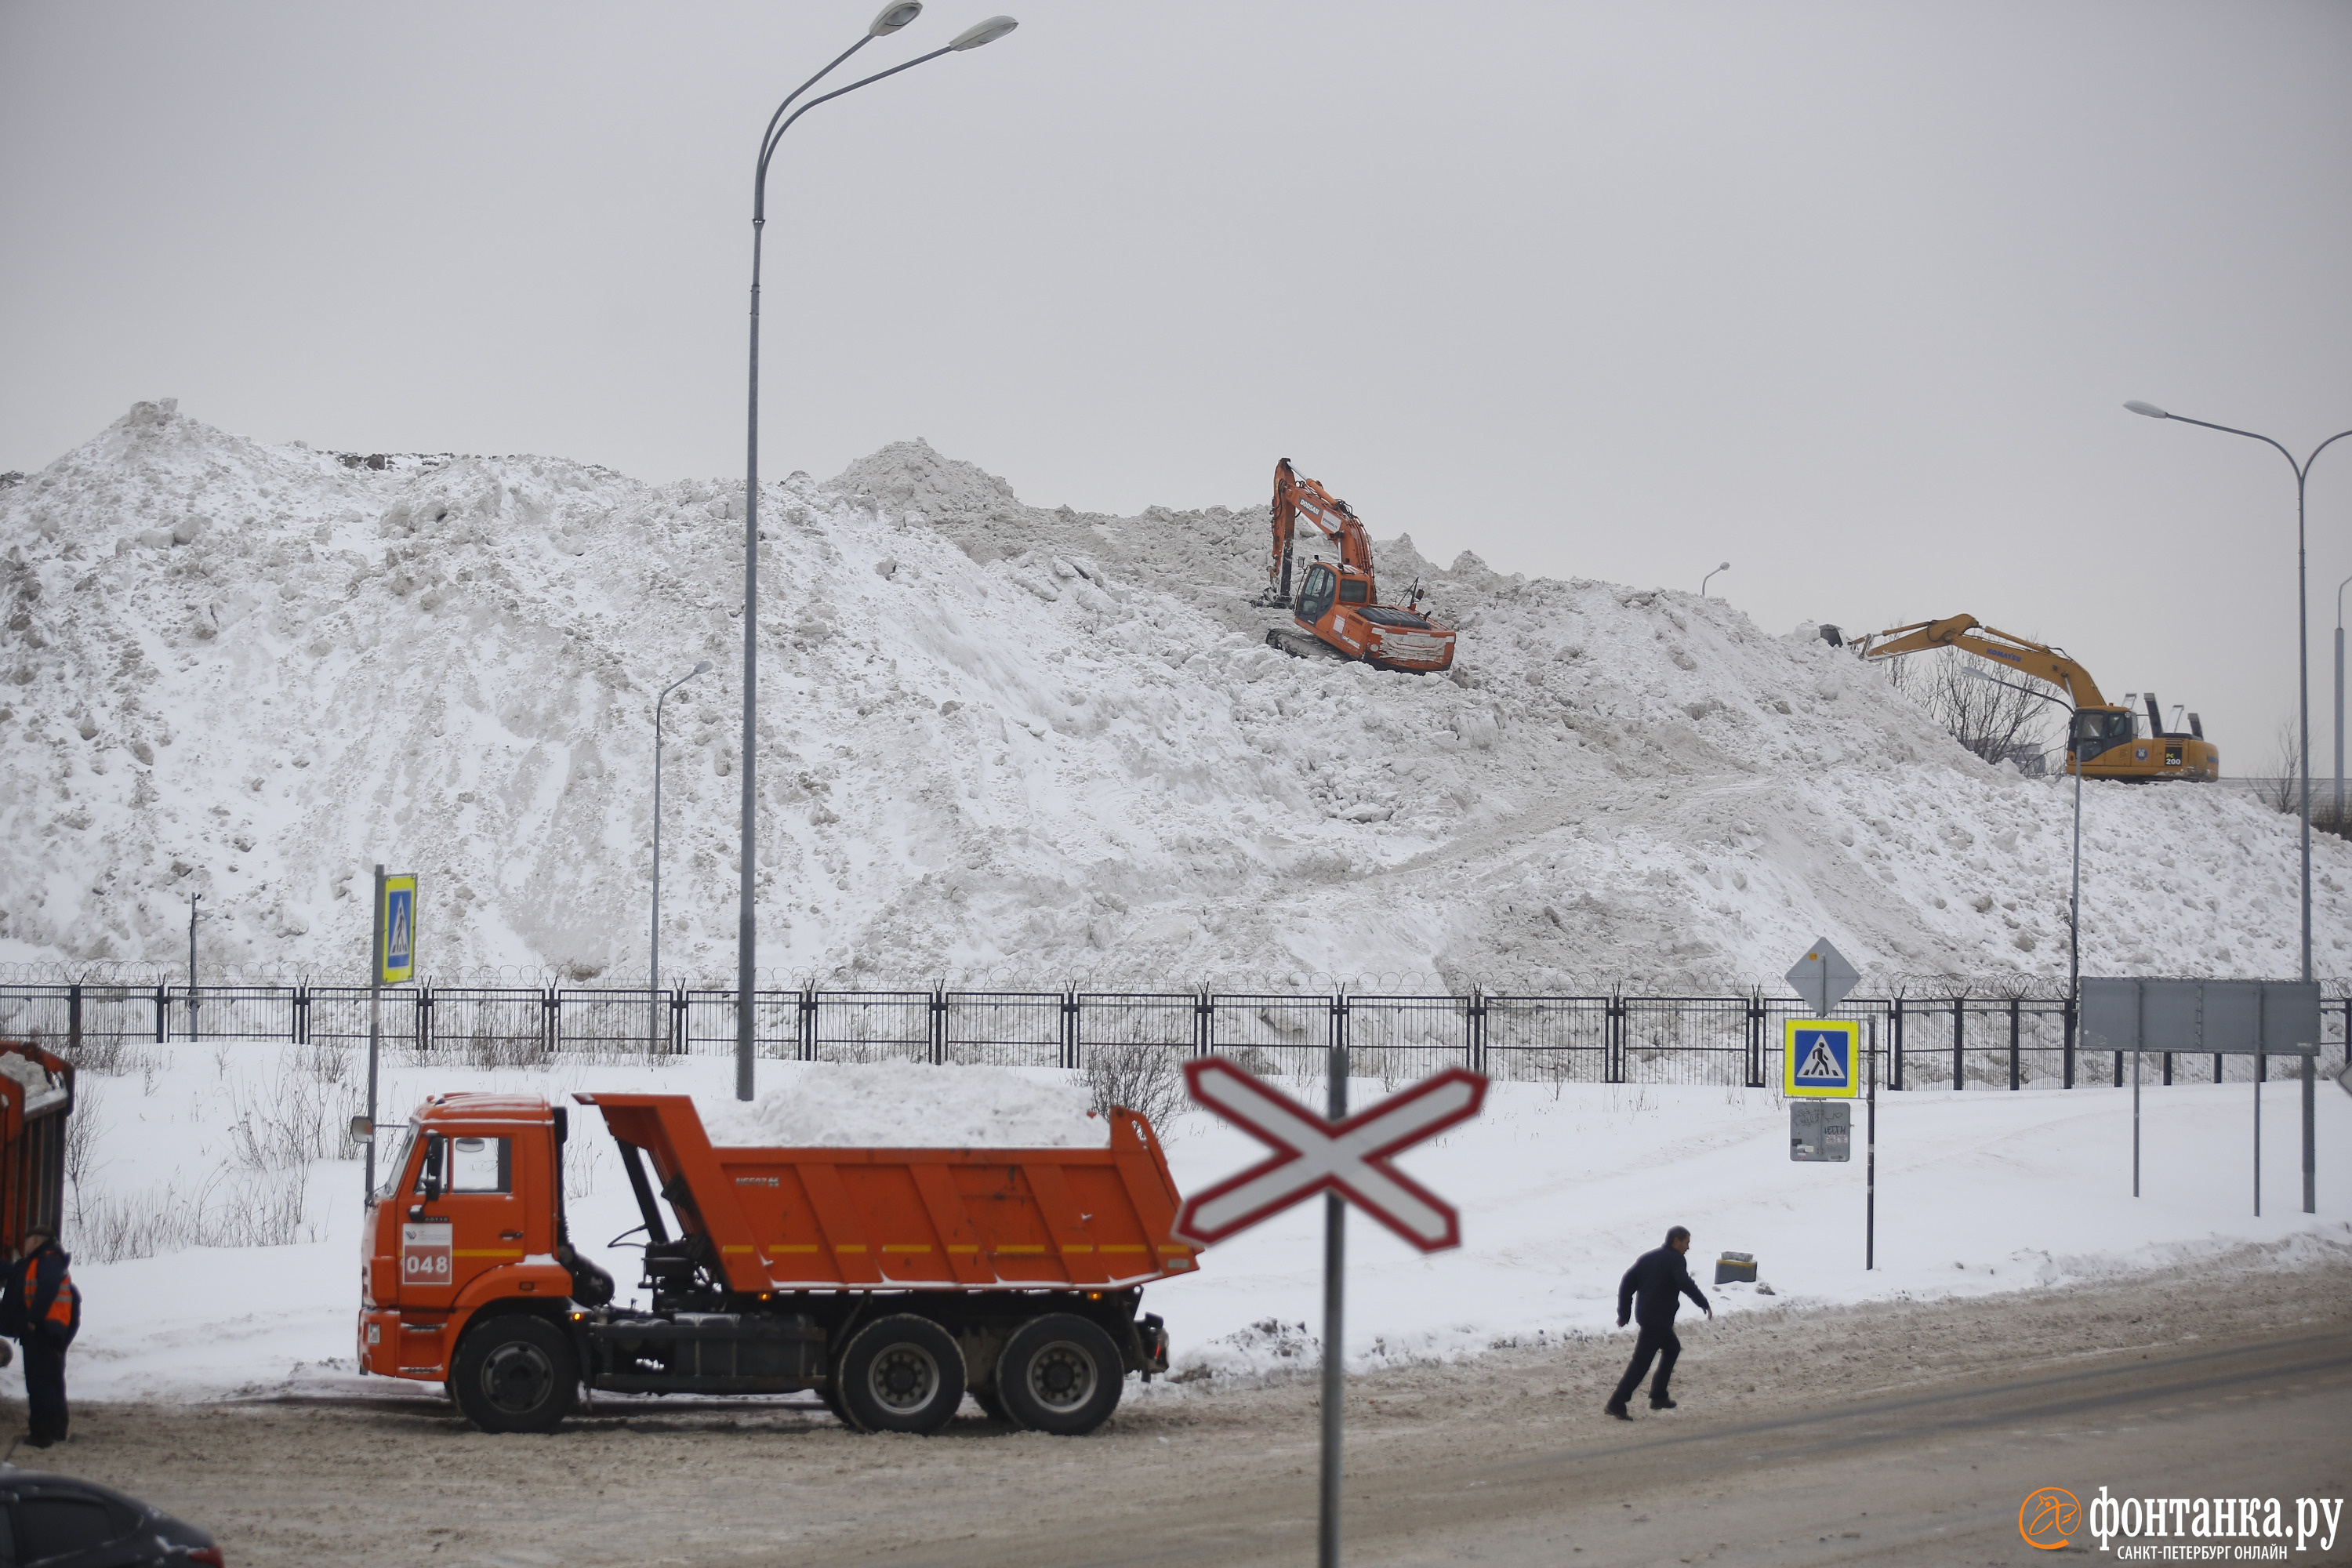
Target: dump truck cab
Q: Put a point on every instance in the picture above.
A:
(466, 1216)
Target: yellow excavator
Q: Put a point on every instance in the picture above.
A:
(2108, 739)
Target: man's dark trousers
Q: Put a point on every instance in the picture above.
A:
(1657, 1340)
(45, 1389)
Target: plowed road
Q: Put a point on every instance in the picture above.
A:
(1907, 1433)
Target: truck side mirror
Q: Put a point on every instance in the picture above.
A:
(433, 1146)
(363, 1130)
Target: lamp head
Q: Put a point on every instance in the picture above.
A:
(701, 667)
(981, 32)
(893, 17)
(1725, 567)
(2148, 409)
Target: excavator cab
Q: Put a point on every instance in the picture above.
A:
(1327, 586)
(2098, 730)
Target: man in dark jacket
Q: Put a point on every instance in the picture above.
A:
(1652, 1292)
(42, 1309)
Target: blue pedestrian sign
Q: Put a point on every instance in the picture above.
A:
(396, 958)
(1819, 1056)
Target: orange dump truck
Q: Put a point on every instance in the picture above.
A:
(890, 1280)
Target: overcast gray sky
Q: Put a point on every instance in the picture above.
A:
(1849, 295)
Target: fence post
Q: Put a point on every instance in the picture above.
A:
(1474, 1045)
(1204, 1022)
(1613, 1038)
(2014, 1020)
(1339, 1026)
(2167, 1070)
(163, 1001)
(1070, 1028)
(1897, 1077)
(73, 1020)
(1755, 1037)
(551, 1026)
(2070, 1042)
(1959, 1028)
(301, 1026)
(808, 1021)
(938, 1025)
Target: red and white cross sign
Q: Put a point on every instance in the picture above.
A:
(1313, 1153)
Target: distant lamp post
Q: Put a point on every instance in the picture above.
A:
(653, 965)
(1710, 577)
(2302, 706)
(194, 898)
(888, 20)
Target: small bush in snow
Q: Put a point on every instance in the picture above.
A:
(1147, 1079)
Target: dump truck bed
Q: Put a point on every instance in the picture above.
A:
(928, 1219)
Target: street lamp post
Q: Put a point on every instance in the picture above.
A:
(2303, 745)
(888, 20)
(653, 961)
(1704, 580)
(2074, 896)
(2336, 822)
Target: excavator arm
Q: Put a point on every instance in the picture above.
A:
(1972, 636)
(1296, 498)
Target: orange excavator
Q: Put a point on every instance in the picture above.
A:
(1337, 611)
(2109, 739)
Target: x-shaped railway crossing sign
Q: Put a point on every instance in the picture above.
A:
(1313, 1153)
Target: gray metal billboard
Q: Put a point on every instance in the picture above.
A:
(2245, 1018)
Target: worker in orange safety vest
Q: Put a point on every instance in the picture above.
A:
(41, 1309)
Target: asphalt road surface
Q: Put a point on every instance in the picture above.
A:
(1906, 1431)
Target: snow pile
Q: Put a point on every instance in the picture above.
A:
(997, 743)
(908, 1105)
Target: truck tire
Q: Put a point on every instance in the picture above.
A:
(900, 1374)
(515, 1373)
(1059, 1375)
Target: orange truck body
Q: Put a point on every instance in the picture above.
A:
(36, 1096)
(782, 1259)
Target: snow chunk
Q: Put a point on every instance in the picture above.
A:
(910, 1105)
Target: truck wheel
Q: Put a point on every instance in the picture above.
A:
(515, 1373)
(1060, 1374)
(900, 1374)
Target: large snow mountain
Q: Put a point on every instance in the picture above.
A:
(996, 741)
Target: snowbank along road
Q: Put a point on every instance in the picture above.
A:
(994, 736)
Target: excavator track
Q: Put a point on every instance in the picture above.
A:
(1299, 644)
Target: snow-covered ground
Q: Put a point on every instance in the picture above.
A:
(1978, 1192)
(994, 739)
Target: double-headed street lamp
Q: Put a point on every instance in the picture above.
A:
(889, 20)
(653, 961)
(2302, 706)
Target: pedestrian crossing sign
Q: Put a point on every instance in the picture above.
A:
(396, 955)
(1819, 1058)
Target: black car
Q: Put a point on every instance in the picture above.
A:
(58, 1521)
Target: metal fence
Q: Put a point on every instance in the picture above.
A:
(1923, 1042)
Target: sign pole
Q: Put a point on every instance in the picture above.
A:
(1870, 1162)
(2258, 1137)
(375, 1014)
(2136, 1055)
(1348, 1159)
(1335, 1354)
